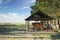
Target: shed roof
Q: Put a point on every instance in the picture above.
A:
(39, 15)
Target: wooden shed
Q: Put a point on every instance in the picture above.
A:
(39, 16)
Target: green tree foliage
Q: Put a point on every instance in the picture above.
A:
(51, 7)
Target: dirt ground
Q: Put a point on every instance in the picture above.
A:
(22, 39)
(21, 35)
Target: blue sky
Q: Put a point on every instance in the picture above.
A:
(15, 10)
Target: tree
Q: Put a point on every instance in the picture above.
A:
(51, 7)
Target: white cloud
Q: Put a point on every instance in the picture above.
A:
(12, 17)
(25, 7)
(22, 8)
(26, 4)
(31, 1)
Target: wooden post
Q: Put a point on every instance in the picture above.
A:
(59, 23)
(42, 26)
(28, 25)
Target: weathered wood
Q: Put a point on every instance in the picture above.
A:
(39, 15)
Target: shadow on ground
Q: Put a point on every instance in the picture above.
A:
(55, 37)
